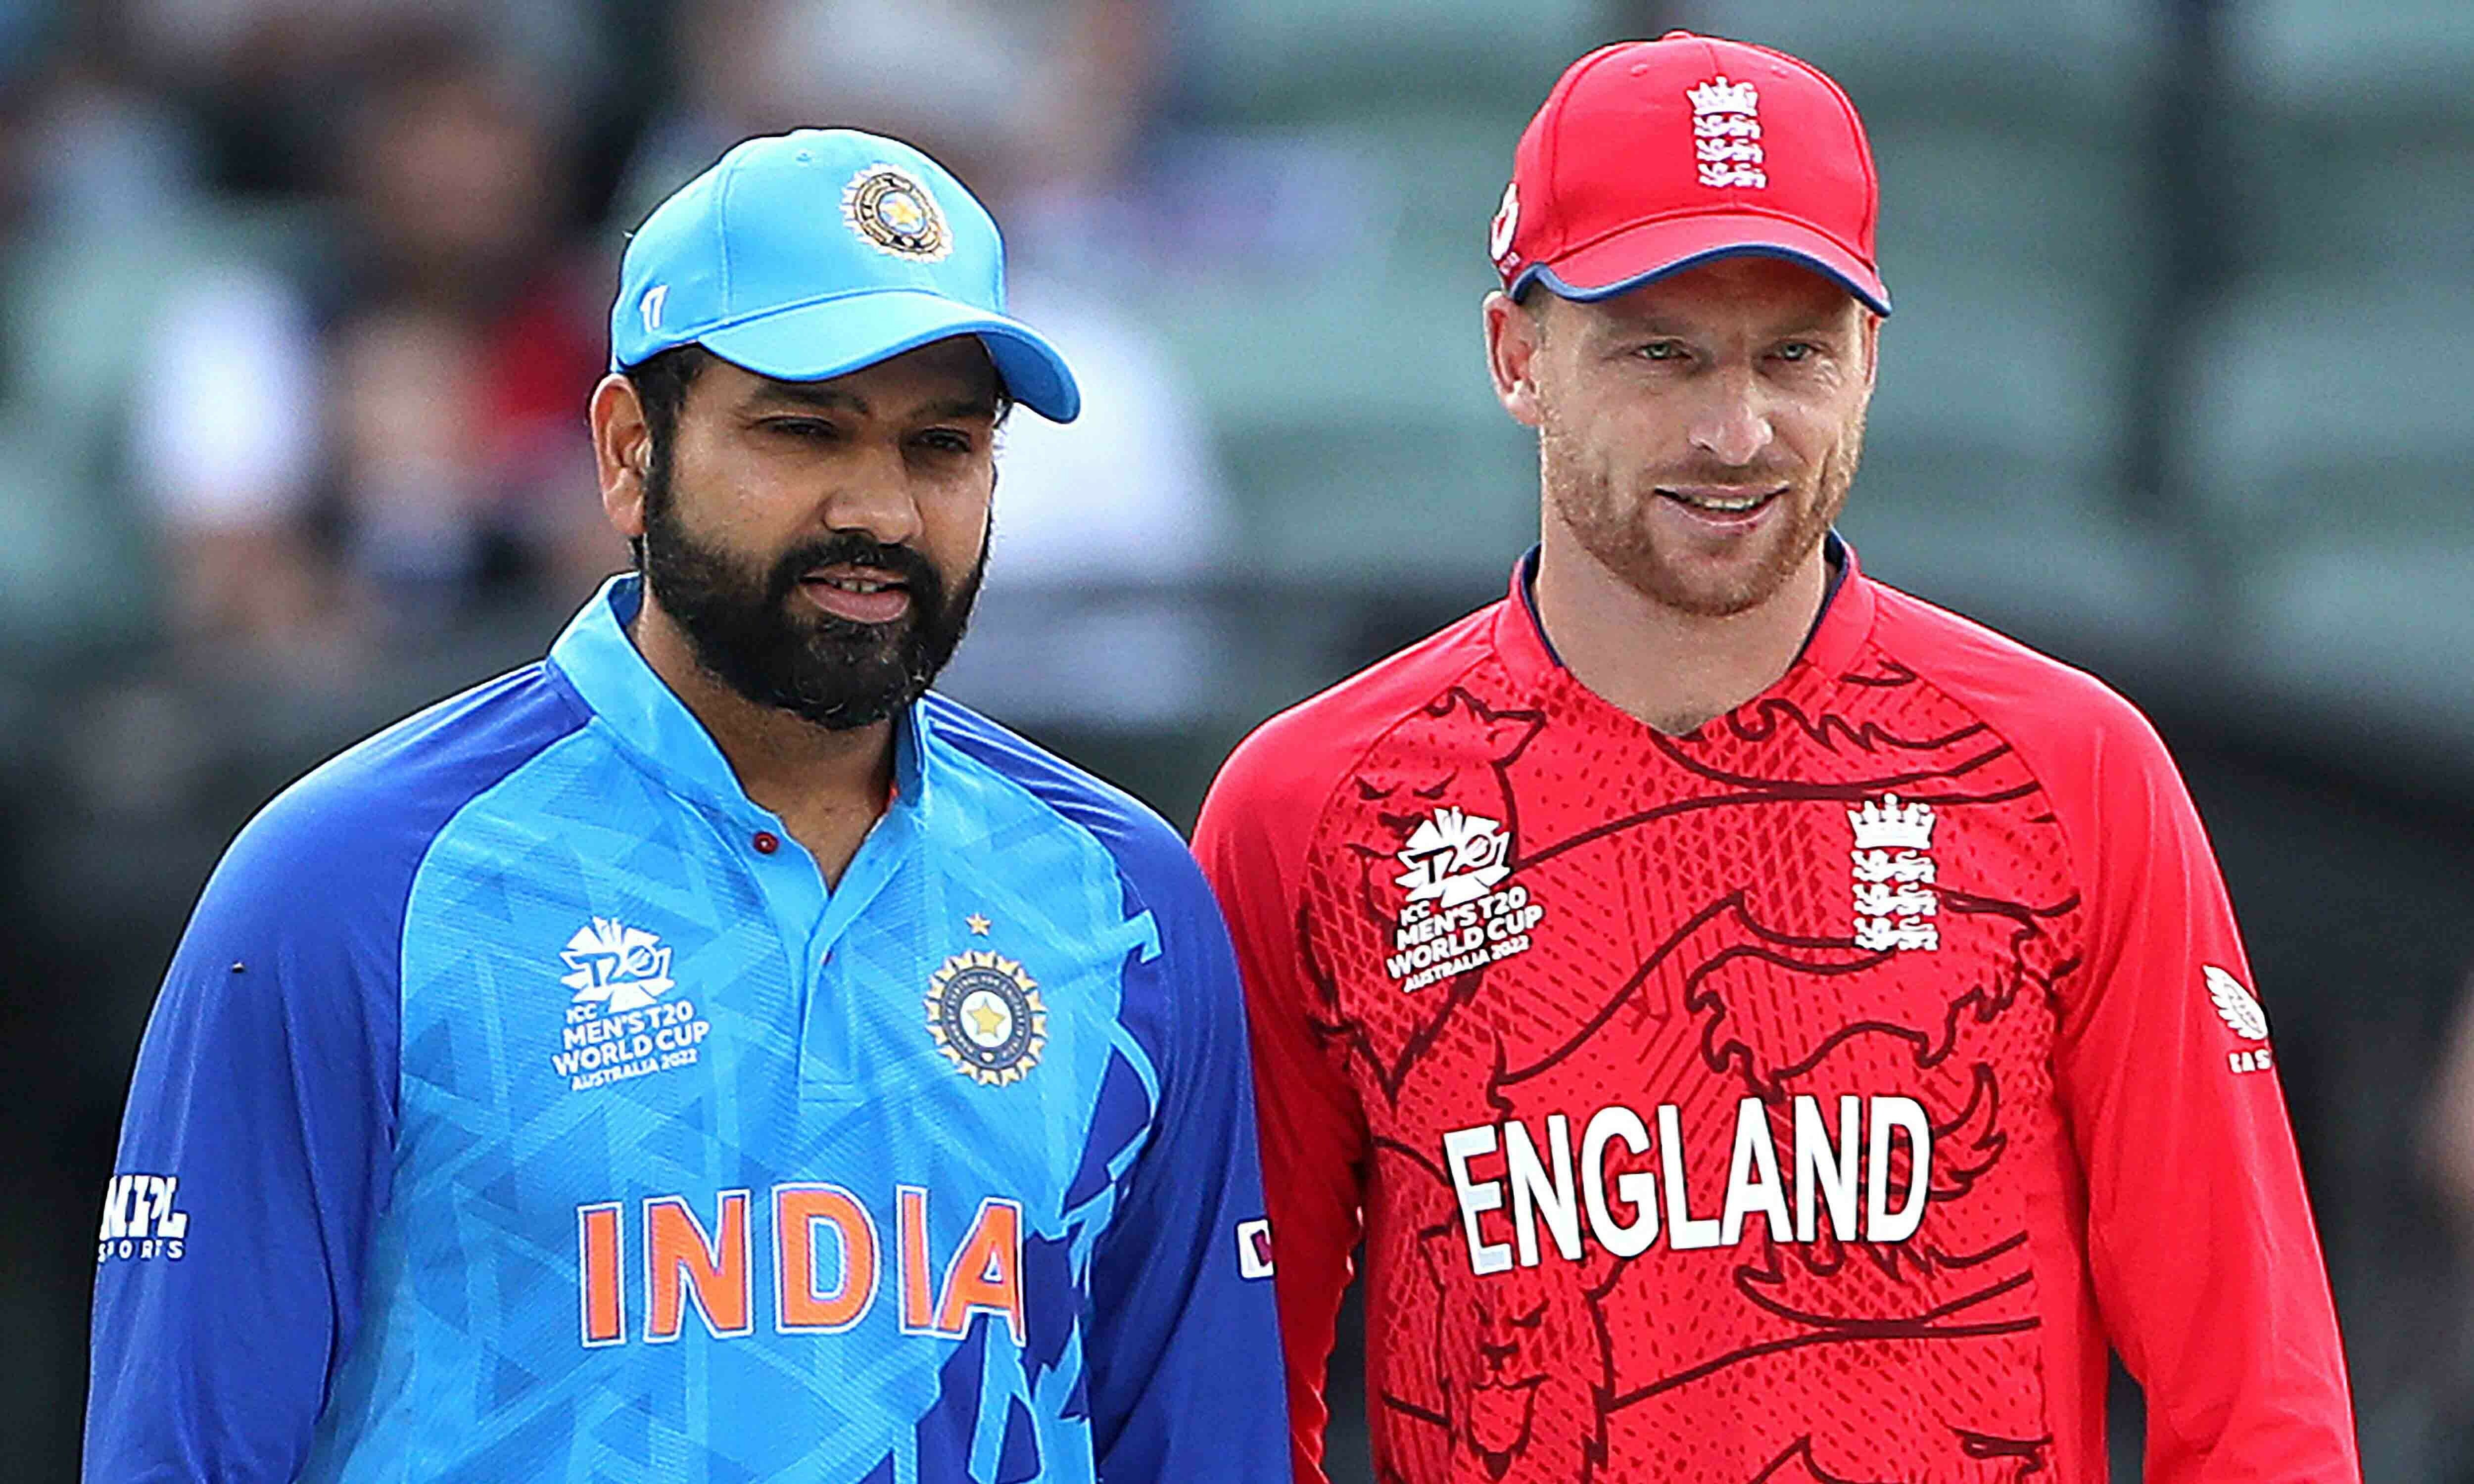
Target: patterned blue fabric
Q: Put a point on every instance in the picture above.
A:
(558, 1123)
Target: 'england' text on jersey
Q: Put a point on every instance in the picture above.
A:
(1890, 1136)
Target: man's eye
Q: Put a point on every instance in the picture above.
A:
(946, 443)
(1798, 350)
(799, 427)
(1661, 350)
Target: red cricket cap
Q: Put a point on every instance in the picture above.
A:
(1653, 156)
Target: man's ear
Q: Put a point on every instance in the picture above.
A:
(1512, 339)
(622, 453)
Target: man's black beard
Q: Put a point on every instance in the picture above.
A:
(743, 629)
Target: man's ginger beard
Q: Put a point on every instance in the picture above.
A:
(1617, 533)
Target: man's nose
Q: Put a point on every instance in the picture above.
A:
(1733, 425)
(871, 492)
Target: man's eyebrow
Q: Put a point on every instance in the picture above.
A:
(1635, 327)
(1830, 323)
(809, 394)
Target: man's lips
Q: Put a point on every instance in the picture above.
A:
(1723, 506)
(864, 595)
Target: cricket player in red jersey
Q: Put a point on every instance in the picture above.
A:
(1764, 1026)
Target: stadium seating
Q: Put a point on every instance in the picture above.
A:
(76, 568)
(2399, 60)
(2325, 431)
(71, 574)
(1336, 348)
(1286, 61)
(2327, 437)
(2084, 60)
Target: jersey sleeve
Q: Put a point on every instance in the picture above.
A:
(1253, 839)
(2206, 1267)
(254, 1162)
(1183, 1359)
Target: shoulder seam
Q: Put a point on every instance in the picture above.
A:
(585, 720)
(1143, 813)
(1354, 760)
(1357, 759)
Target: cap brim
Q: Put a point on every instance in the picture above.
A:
(837, 336)
(1652, 250)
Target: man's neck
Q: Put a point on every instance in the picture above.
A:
(828, 787)
(1670, 669)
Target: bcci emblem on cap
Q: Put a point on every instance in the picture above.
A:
(985, 1014)
(896, 213)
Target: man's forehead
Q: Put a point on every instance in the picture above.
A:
(1772, 292)
(953, 373)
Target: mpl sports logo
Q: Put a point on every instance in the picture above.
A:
(1459, 915)
(142, 1219)
(619, 1026)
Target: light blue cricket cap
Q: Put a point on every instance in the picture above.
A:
(807, 255)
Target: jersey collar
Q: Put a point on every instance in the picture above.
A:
(1838, 630)
(655, 726)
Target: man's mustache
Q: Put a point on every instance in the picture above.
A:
(852, 548)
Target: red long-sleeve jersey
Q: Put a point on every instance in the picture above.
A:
(1813, 1096)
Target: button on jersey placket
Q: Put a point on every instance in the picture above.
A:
(792, 890)
(826, 1062)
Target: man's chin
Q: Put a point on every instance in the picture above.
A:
(858, 696)
(1702, 586)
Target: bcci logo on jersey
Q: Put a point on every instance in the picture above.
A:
(985, 1014)
(1458, 915)
(619, 1026)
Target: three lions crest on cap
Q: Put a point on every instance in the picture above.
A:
(895, 214)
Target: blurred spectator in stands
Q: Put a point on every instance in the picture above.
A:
(263, 73)
(389, 431)
(1046, 98)
(92, 167)
(1105, 526)
(113, 155)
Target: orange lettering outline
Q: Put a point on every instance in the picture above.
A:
(717, 1271)
(994, 1246)
(601, 1242)
(797, 1308)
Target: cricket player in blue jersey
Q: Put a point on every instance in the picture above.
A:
(703, 1054)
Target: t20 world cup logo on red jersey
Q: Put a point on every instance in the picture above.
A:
(1458, 915)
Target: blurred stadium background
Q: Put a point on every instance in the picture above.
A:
(300, 300)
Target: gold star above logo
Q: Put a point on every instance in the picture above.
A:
(979, 924)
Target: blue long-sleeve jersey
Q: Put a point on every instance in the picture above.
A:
(521, 1105)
